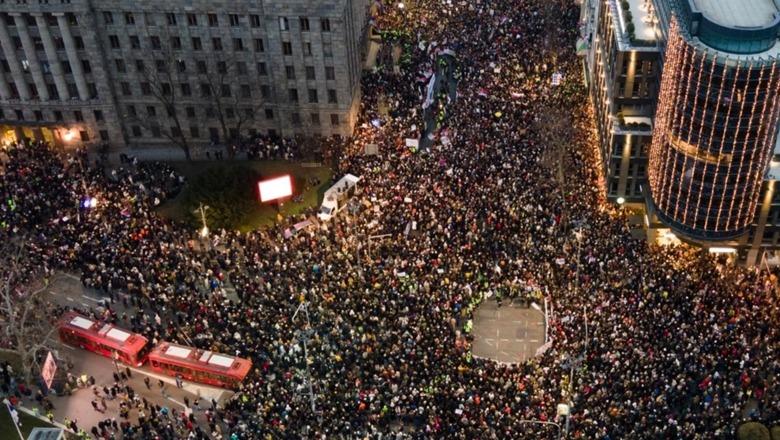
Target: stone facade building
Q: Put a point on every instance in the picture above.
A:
(145, 72)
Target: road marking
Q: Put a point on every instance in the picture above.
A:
(84, 304)
(73, 277)
(68, 347)
(176, 401)
(90, 298)
(70, 299)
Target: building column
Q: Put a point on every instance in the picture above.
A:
(16, 67)
(5, 91)
(32, 56)
(51, 55)
(73, 56)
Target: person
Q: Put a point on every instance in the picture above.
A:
(147, 382)
(179, 382)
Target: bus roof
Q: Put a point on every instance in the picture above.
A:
(204, 358)
(108, 333)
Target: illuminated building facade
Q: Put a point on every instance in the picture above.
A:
(717, 116)
(622, 70)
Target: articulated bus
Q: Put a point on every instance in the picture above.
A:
(167, 358)
(199, 365)
(103, 339)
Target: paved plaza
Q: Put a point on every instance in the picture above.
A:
(509, 334)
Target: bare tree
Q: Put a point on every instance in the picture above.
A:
(159, 79)
(233, 106)
(23, 312)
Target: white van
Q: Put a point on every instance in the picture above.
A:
(337, 196)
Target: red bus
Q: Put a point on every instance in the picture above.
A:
(199, 365)
(104, 339)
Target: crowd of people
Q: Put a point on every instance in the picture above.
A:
(679, 346)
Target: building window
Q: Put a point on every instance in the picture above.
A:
(296, 118)
(313, 98)
(86, 66)
(84, 136)
(104, 135)
(58, 116)
(290, 72)
(332, 98)
(310, 73)
(284, 24)
(246, 91)
(202, 67)
(238, 44)
(307, 49)
(241, 68)
(196, 44)
(113, 41)
(155, 41)
(176, 43)
(146, 89)
(327, 49)
(194, 132)
(287, 48)
(205, 90)
(262, 69)
(38, 115)
(129, 18)
(222, 67)
(151, 110)
(192, 19)
(259, 46)
(254, 20)
(330, 73)
(190, 111)
(108, 17)
(131, 111)
(160, 65)
(181, 66)
(135, 42)
(265, 91)
(325, 25)
(234, 20)
(78, 116)
(213, 20)
(315, 119)
(216, 43)
(19, 115)
(214, 134)
(98, 115)
(293, 94)
(186, 90)
(334, 119)
(304, 24)
(171, 18)
(136, 131)
(126, 89)
(226, 93)
(120, 65)
(269, 114)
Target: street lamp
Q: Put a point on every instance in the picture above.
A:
(204, 231)
(621, 201)
(401, 5)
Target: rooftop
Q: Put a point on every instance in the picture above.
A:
(739, 13)
(642, 11)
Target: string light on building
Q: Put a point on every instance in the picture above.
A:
(715, 130)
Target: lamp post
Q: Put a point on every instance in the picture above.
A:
(204, 232)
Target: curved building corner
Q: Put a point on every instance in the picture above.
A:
(717, 116)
